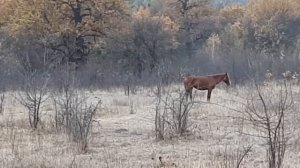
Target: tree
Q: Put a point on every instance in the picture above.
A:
(196, 20)
(70, 28)
(273, 24)
(232, 14)
(148, 41)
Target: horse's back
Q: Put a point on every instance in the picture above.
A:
(191, 80)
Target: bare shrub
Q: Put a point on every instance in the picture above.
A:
(75, 111)
(162, 79)
(234, 158)
(172, 116)
(33, 95)
(129, 85)
(267, 115)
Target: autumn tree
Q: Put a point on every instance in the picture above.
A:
(232, 34)
(148, 42)
(269, 27)
(197, 20)
(232, 14)
(273, 24)
(70, 28)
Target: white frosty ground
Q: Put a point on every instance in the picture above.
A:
(127, 140)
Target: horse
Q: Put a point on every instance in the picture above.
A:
(204, 83)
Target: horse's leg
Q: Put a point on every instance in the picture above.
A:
(186, 93)
(191, 91)
(209, 94)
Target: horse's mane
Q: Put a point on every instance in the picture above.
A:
(218, 74)
(211, 75)
(206, 75)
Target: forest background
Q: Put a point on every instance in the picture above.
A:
(139, 42)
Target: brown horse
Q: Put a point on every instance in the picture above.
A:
(204, 83)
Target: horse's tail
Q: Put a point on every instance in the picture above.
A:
(186, 81)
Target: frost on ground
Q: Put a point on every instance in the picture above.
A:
(123, 134)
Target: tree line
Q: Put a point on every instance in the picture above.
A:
(116, 41)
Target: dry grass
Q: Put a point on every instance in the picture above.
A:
(122, 139)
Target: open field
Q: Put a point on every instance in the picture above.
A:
(124, 136)
(103, 83)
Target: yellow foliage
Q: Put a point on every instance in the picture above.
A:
(40, 17)
(143, 17)
(29, 17)
(142, 13)
(232, 13)
(272, 22)
(167, 23)
(260, 11)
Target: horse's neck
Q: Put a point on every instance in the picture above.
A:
(219, 78)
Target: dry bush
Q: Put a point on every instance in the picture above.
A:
(232, 158)
(267, 112)
(172, 116)
(33, 95)
(75, 113)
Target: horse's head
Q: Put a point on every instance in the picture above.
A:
(226, 79)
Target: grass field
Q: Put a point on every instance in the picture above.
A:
(124, 135)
